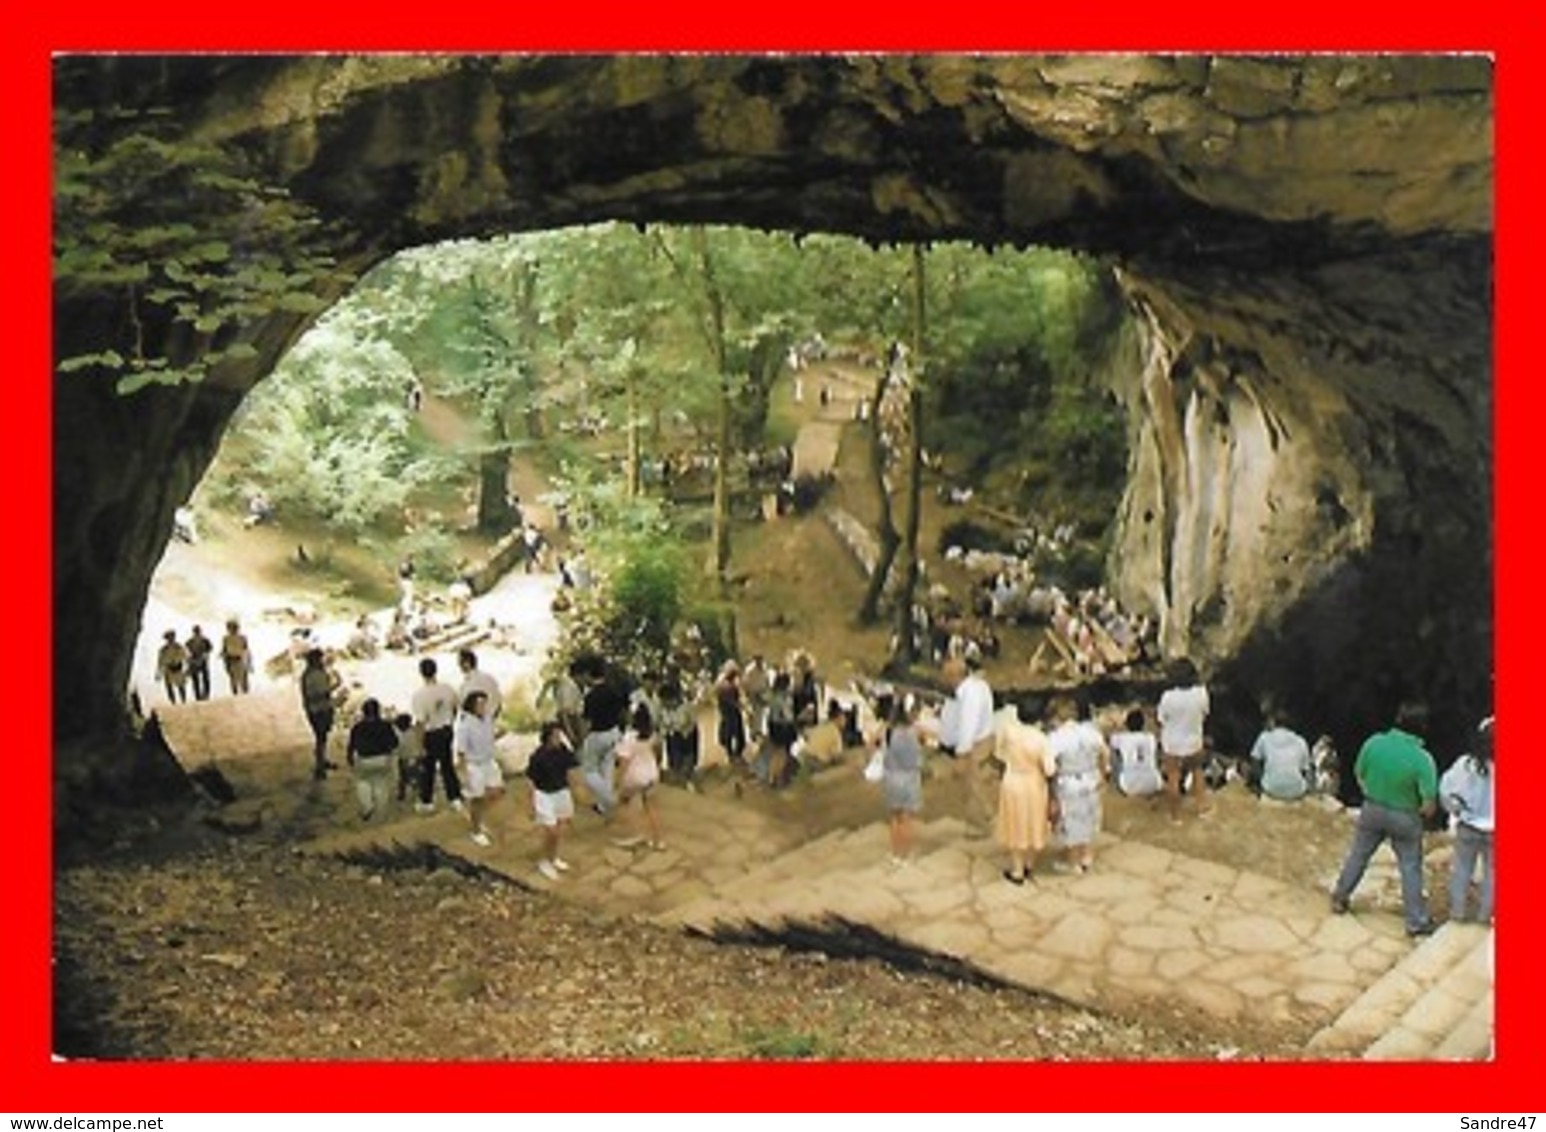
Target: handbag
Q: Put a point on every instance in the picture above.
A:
(875, 769)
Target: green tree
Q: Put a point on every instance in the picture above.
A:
(177, 299)
(328, 434)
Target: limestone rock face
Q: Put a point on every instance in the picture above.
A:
(1305, 241)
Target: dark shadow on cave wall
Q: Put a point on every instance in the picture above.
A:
(1341, 662)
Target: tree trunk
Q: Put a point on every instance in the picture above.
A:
(869, 611)
(494, 514)
(719, 564)
(634, 455)
(905, 654)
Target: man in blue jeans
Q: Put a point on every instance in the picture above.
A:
(1400, 786)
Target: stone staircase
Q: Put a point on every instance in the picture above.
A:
(1436, 1004)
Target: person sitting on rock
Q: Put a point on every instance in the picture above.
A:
(1135, 758)
(259, 509)
(363, 643)
(1280, 761)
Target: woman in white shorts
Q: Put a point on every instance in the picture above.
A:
(473, 747)
(552, 803)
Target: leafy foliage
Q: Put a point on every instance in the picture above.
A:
(329, 434)
(640, 580)
(184, 295)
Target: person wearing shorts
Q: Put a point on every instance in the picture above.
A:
(474, 750)
(1183, 709)
(552, 801)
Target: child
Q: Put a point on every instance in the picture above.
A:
(410, 748)
(640, 773)
(552, 803)
(902, 783)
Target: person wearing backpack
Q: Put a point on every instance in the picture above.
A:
(1466, 790)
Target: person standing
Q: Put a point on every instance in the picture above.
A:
(1136, 754)
(1022, 827)
(732, 719)
(552, 801)
(434, 711)
(756, 688)
(640, 762)
(317, 687)
(1467, 792)
(1079, 753)
(568, 704)
(679, 724)
(410, 755)
(473, 749)
(604, 709)
(1400, 788)
(372, 743)
(474, 679)
(172, 667)
(901, 780)
(199, 647)
(405, 577)
(1182, 712)
(804, 690)
(236, 656)
(967, 734)
(773, 761)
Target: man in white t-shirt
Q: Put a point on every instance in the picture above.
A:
(434, 710)
(474, 679)
(967, 734)
(1183, 709)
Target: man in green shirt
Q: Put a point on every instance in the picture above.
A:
(1400, 785)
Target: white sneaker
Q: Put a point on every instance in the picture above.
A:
(547, 869)
(424, 807)
(560, 864)
(457, 806)
(481, 837)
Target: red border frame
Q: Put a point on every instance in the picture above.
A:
(31, 1081)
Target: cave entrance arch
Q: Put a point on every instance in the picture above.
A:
(1306, 239)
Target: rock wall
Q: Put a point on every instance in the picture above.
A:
(1305, 242)
(1309, 503)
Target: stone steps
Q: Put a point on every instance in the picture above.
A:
(1148, 925)
(1437, 998)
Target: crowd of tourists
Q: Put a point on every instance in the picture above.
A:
(1031, 774)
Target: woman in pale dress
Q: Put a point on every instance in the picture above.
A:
(1022, 826)
(1079, 751)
